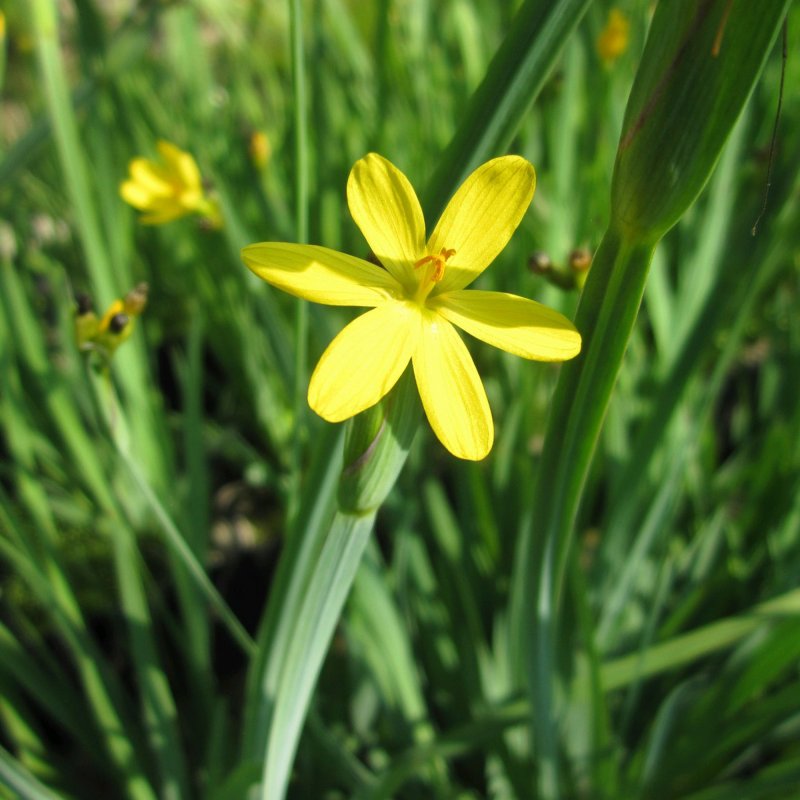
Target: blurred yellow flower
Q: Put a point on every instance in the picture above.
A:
(418, 296)
(613, 39)
(168, 190)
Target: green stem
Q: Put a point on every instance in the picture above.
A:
(328, 588)
(301, 236)
(606, 316)
(314, 578)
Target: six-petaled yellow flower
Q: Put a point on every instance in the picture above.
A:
(168, 189)
(418, 296)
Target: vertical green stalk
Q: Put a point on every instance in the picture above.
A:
(605, 316)
(65, 128)
(685, 100)
(301, 235)
(328, 589)
(314, 580)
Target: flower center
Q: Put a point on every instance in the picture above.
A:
(434, 272)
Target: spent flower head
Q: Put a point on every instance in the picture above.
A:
(168, 189)
(418, 296)
(106, 334)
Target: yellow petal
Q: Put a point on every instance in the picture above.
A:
(451, 390)
(383, 204)
(320, 274)
(135, 194)
(150, 177)
(364, 361)
(515, 324)
(481, 217)
(182, 165)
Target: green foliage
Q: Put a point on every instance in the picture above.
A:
(197, 602)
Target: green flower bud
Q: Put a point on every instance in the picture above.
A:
(377, 443)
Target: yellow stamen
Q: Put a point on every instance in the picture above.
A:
(438, 263)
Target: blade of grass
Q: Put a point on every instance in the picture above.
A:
(329, 585)
(65, 129)
(512, 82)
(276, 627)
(177, 543)
(314, 579)
(44, 681)
(20, 781)
(378, 630)
(698, 643)
(103, 693)
(301, 167)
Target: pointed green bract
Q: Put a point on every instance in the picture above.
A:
(700, 64)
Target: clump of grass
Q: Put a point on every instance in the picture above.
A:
(605, 607)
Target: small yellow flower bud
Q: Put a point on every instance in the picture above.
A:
(613, 39)
(580, 259)
(260, 149)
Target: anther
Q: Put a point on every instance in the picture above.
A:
(438, 263)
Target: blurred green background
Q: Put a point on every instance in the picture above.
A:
(145, 501)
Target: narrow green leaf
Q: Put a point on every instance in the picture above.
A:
(512, 82)
(329, 585)
(681, 650)
(65, 129)
(19, 780)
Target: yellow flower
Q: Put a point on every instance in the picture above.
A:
(419, 296)
(613, 39)
(168, 190)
